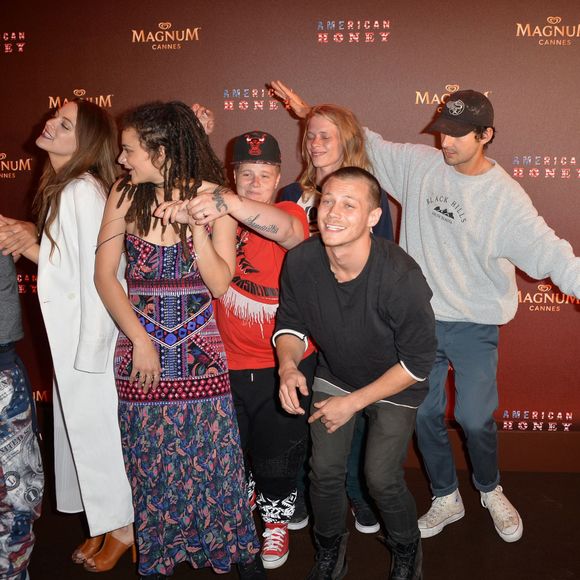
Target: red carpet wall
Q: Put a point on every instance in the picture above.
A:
(393, 63)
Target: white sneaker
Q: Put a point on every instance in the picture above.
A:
(506, 519)
(444, 510)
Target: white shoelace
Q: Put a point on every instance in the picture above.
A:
(502, 511)
(274, 539)
(439, 505)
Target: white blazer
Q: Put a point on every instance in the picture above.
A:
(89, 469)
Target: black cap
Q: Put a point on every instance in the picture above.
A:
(462, 113)
(256, 147)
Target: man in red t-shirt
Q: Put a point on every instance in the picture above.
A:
(274, 441)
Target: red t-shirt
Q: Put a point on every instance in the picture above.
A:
(246, 312)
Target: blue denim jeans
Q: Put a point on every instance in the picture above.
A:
(390, 428)
(472, 351)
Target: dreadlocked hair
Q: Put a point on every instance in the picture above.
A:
(96, 136)
(189, 159)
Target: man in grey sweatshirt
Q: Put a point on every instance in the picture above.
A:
(468, 224)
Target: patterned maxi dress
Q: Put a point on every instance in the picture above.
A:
(181, 442)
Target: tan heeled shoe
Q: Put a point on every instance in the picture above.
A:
(87, 549)
(110, 553)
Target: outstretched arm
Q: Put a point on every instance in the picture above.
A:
(265, 219)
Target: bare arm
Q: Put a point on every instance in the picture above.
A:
(110, 246)
(216, 256)
(19, 238)
(290, 350)
(265, 219)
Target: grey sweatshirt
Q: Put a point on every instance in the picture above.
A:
(468, 232)
(10, 321)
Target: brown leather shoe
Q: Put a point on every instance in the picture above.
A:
(108, 556)
(87, 549)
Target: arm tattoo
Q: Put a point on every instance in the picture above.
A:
(219, 198)
(251, 222)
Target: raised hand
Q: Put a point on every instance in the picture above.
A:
(291, 99)
(205, 116)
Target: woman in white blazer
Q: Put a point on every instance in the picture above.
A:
(90, 475)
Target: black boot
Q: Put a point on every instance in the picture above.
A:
(406, 560)
(253, 570)
(330, 561)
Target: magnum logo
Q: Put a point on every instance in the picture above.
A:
(553, 33)
(10, 167)
(544, 300)
(428, 98)
(104, 101)
(165, 38)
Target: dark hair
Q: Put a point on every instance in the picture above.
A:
(479, 134)
(96, 137)
(359, 173)
(189, 158)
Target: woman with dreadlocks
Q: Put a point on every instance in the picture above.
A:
(178, 426)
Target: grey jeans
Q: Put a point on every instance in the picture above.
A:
(390, 428)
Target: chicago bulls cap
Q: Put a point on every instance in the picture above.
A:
(462, 113)
(256, 147)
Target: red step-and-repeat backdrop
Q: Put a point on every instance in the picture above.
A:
(393, 63)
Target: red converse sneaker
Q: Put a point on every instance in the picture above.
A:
(276, 547)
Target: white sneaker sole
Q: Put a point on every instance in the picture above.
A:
(515, 535)
(367, 529)
(430, 532)
(271, 564)
(298, 525)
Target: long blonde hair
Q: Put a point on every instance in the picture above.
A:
(96, 152)
(351, 138)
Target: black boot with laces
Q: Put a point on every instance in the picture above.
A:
(406, 560)
(330, 561)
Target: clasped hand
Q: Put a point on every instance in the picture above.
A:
(208, 205)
